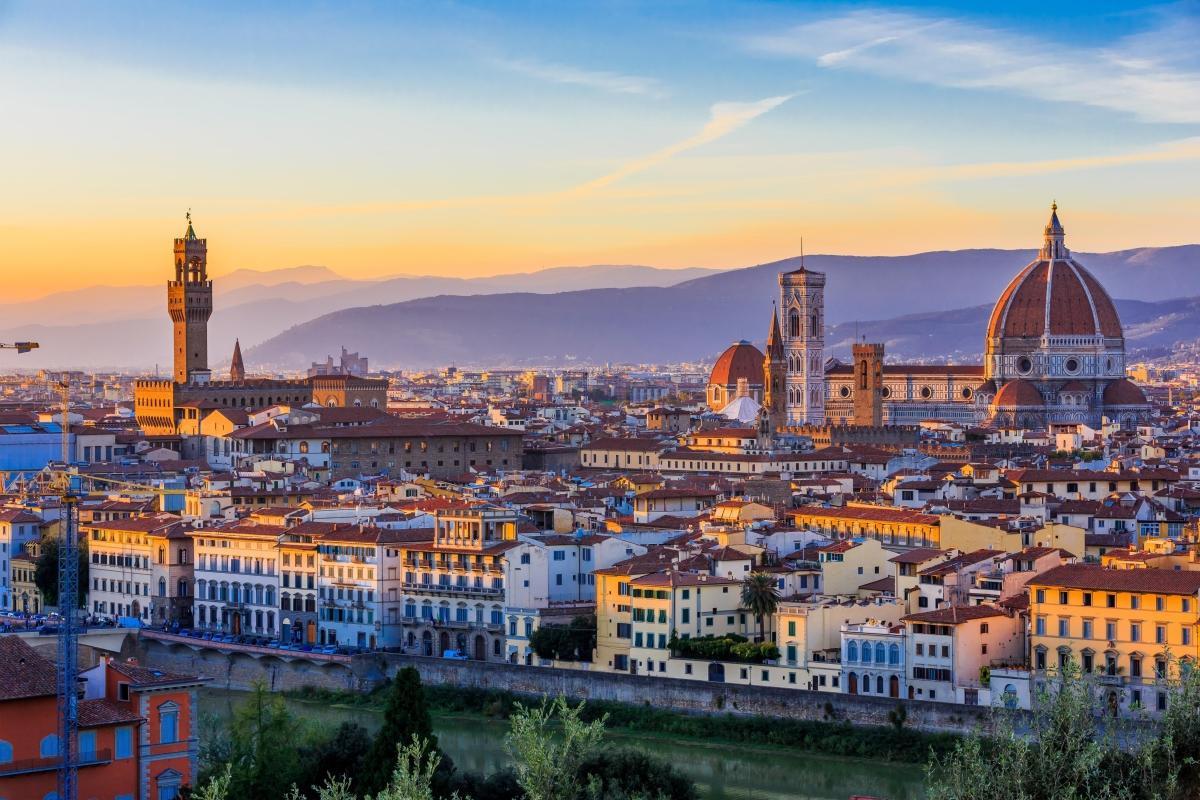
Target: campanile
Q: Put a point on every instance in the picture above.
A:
(190, 304)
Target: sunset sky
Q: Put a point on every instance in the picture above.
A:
(479, 138)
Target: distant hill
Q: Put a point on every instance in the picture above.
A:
(949, 294)
(127, 326)
(925, 305)
(326, 291)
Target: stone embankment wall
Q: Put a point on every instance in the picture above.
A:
(362, 673)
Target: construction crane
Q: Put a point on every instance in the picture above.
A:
(68, 604)
(68, 593)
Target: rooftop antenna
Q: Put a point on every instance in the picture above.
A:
(801, 252)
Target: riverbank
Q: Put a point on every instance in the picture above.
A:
(832, 738)
(721, 770)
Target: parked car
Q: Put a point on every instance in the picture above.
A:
(455, 655)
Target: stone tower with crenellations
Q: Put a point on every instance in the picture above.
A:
(868, 383)
(802, 303)
(190, 304)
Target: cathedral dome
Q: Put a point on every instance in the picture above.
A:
(1123, 393)
(1018, 393)
(1054, 296)
(740, 360)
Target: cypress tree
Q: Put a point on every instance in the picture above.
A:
(404, 715)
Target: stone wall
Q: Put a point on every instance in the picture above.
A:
(361, 673)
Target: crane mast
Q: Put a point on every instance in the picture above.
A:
(68, 626)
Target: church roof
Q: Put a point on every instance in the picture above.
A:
(740, 360)
(237, 369)
(1054, 296)
(1018, 393)
(775, 338)
(1123, 392)
(743, 409)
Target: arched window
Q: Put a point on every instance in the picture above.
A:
(49, 746)
(893, 655)
(866, 652)
(303, 447)
(793, 323)
(162, 587)
(852, 651)
(879, 653)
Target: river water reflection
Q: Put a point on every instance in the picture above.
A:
(721, 771)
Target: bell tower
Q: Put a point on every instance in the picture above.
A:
(190, 304)
(802, 303)
(868, 384)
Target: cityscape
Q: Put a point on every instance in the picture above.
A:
(859, 463)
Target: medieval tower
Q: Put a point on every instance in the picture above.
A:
(868, 384)
(774, 405)
(190, 304)
(802, 299)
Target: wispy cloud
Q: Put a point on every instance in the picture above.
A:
(723, 119)
(1179, 150)
(1154, 75)
(602, 80)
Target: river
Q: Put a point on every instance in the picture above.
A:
(721, 771)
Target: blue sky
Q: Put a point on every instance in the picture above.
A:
(476, 138)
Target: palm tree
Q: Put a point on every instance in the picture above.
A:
(760, 595)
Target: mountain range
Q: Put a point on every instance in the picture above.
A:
(926, 305)
(127, 326)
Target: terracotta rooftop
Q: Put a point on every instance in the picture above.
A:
(1152, 581)
(955, 615)
(23, 672)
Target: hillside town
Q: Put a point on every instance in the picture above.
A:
(777, 519)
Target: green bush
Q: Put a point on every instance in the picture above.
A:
(730, 647)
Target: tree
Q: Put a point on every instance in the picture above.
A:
(574, 642)
(1073, 749)
(263, 752)
(548, 744)
(45, 571)
(340, 755)
(628, 773)
(405, 715)
(412, 778)
(500, 785)
(760, 596)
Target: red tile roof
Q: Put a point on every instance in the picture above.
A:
(955, 615)
(98, 712)
(24, 672)
(1152, 581)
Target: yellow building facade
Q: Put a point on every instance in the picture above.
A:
(1135, 629)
